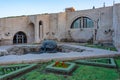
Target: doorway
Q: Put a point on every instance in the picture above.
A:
(19, 38)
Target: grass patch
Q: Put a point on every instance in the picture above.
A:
(95, 73)
(82, 72)
(118, 61)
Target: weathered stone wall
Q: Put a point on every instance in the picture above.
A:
(104, 33)
(61, 30)
(102, 18)
(83, 34)
(53, 25)
(13, 25)
(31, 20)
(57, 26)
(41, 31)
(116, 24)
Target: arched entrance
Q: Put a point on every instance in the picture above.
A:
(19, 37)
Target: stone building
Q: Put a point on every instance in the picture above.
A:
(99, 24)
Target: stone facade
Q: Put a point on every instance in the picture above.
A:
(57, 26)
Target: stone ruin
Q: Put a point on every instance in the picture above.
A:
(48, 46)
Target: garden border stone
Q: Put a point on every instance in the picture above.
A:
(87, 62)
(14, 73)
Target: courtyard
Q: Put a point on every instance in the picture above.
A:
(82, 71)
(49, 40)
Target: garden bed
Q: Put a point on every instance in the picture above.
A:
(10, 71)
(103, 62)
(61, 67)
(82, 72)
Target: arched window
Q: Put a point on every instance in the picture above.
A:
(40, 23)
(40, 29)
(19, 37)
(82, 22)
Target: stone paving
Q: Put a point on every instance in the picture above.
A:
(30, 58)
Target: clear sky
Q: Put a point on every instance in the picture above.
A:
(29, 7)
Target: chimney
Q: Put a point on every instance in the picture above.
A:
(70, 9)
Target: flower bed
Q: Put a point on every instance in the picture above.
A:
(62, 67)
(61, 64)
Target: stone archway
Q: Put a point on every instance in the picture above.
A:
(19, 38)
(83, 27)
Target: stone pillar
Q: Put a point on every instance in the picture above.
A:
(95, 32)
(37, 40)
(41, 34)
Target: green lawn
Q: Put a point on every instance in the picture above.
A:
(118, 61)
(83, 72)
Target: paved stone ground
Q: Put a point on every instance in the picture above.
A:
(30, 57)
(4, 47)
(118, 49)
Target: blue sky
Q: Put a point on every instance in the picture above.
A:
(29, 7)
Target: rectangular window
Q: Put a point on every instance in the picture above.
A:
(89, 23)
(80, 24)
(84, 22)
(76, 24)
